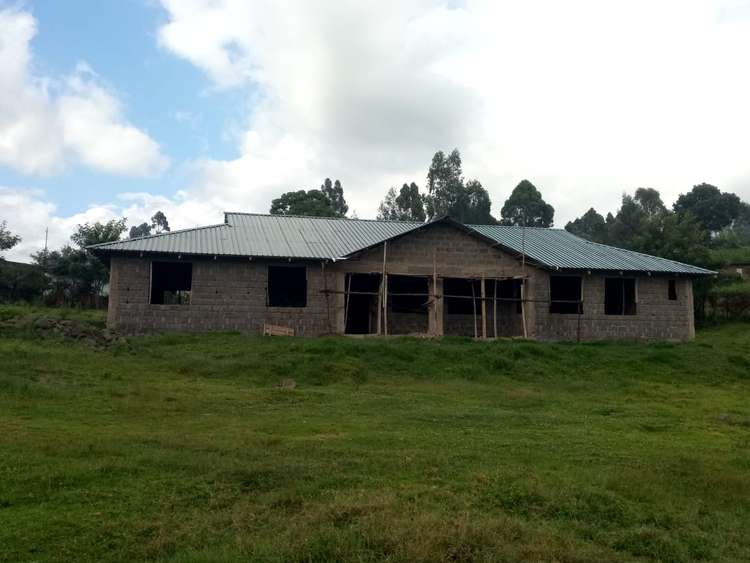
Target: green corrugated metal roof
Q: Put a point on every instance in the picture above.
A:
(271, 236)
(559, 249)
(280, 236)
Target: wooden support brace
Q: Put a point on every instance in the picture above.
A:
(474, 304)
(494, 308)
(484, 311)
(523, 309)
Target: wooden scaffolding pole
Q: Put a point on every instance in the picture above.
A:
(328, 297)
(474, 304)
(494, 307)
(523, 308)
(347, 297)
(434, 293)
(385, 290)
(380, 307)
(484, 310)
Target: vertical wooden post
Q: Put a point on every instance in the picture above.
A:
(380, 306)
(434, 293)
(494, 307)
(328, 297)
(474, 305)
(484, 310)
(523, 307)
(347, 297)
(385, 290)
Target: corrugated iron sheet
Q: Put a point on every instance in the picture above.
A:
(278, 236)
(272, 236)
(559, 249)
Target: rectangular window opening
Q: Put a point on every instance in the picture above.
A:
(565, 295)
(171, 283)
(361, 303)
(619, 296)
(458, 296)
(509, 291)
(672, 290)
(287, 286)
(408, 294)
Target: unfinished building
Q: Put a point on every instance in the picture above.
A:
(312, 276)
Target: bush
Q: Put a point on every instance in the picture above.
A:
(732, 299)
(21, 282)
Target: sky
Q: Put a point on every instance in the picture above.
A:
(120, 108)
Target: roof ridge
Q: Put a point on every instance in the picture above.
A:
(472, 225)
(162, 234)
(319, 217)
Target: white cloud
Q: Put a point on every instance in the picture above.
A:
(45, 125)
(29, 213)
(586, 99)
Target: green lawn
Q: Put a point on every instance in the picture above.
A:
(184, 448)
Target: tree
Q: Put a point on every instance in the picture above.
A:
(21, 282)
(96, 233)
(7, 239)
(159, 223)
(590, 226)
(650, 201)
(335, 195)
(77, 276)
(447, 194)
(406, 205)
(142, 230)
(714, 209)
(388, 210)
(312, 203)
(675, 236)
(625, 228)
(477, 209)
(445, 186)
(526, 207)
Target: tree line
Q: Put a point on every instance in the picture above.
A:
(705, 226)
(448, 193)
(69, 275)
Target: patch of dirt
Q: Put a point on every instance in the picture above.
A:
(69, 330)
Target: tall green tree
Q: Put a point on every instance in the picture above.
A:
(96, 233)
(334, 192)
(526, 207)
(76, 274)
(142, 230)
(448, 194)
(626, 227)
(643, 223)
(591, 226)
(675, 236)
(312, 203)
(712, 207)
(405, 205)
(650, 201)
(478, 207)
(445, 185)
(7, 239)
(159, 223)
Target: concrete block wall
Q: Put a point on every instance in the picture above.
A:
(453, 253)
(656, 318)
(225, 295)
(231, 295)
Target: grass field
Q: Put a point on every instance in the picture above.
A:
(184, 448)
